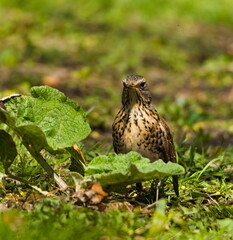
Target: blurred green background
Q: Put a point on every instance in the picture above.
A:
(86, 48)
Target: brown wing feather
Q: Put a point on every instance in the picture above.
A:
(168, 151)
(168, 144)
(117, 131)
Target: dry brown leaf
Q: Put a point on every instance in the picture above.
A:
(94, 195)
(98, 189)
(99, 193)
(79, 151)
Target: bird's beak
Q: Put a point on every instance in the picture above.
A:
(132, 87)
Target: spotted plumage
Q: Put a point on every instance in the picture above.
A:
(138, 126)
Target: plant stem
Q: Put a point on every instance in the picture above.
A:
(46, 167)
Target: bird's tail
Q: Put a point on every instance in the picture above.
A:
(176, 185)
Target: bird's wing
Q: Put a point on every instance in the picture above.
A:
(167, 145)
(117, 131)
(168, 150)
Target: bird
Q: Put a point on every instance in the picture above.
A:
(138, 126)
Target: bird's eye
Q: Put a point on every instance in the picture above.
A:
(142, 84)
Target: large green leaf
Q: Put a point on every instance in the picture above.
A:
(128, 168)
(8, 150)
(47, 118)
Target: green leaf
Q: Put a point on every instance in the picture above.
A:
(226, 224)
(77, 178)
(33, 136)
(6, 118)
(128, 168)
(47, 118)
(52, 94)
(159, 221)
(8, 150)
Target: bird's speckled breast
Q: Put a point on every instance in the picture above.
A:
(139, 126)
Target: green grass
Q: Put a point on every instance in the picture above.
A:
(184, 49)
(52, 219)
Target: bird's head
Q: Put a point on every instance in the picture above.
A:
(135, 91)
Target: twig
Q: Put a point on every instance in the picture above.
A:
(45, 193)
(151, 205)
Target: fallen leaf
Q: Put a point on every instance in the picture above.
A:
(94, 195)
(99, 193)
